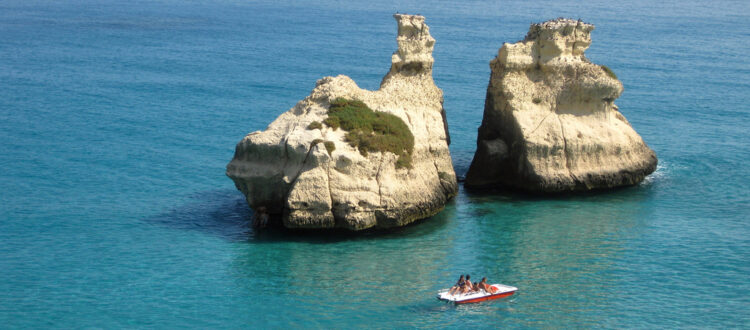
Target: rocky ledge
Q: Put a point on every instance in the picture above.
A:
(345, 157)
(550, 123)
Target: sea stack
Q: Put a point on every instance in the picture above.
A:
(550, 123)
(345, 157)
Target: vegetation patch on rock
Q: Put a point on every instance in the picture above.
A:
(330, 147)
(332, 122)
(372, 131)
(315, 125)
(609, 71)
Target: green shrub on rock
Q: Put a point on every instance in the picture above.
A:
(332, 122)
(372, 131)
(315, 125)
(609, 71)
(330, 147)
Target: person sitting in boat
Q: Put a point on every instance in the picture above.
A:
(468, 287)
(459, 285)
(482, 285)
(260, 218)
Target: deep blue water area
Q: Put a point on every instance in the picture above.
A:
(117, 120)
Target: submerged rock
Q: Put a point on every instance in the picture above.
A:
(550, 123)
(351, 158)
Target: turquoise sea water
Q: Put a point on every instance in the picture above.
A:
(117, 119)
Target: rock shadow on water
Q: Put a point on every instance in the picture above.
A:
(498, 194)
(485, 201)
(225, 214)
(510, 194)
(219, 213)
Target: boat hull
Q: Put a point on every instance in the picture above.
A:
(480, 299)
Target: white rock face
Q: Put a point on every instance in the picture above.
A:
(282, 169)
(550, 123)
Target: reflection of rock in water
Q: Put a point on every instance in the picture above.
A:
(561, 247)
(330, 275)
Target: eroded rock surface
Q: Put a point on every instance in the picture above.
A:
(550, 123)
(289, 170)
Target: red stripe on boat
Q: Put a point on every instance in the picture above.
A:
(494, 296)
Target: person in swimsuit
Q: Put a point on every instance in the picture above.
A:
(458, 285)
(260, 217)
(468, 287)
(482, 285)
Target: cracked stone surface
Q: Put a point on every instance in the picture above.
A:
(550, 123)
(280, 168)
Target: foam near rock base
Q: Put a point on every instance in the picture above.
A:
(550, 123)
(313, 177)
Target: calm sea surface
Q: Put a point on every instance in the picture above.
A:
(118, 118)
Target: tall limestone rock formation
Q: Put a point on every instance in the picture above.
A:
(346, 157)
(550, 123)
